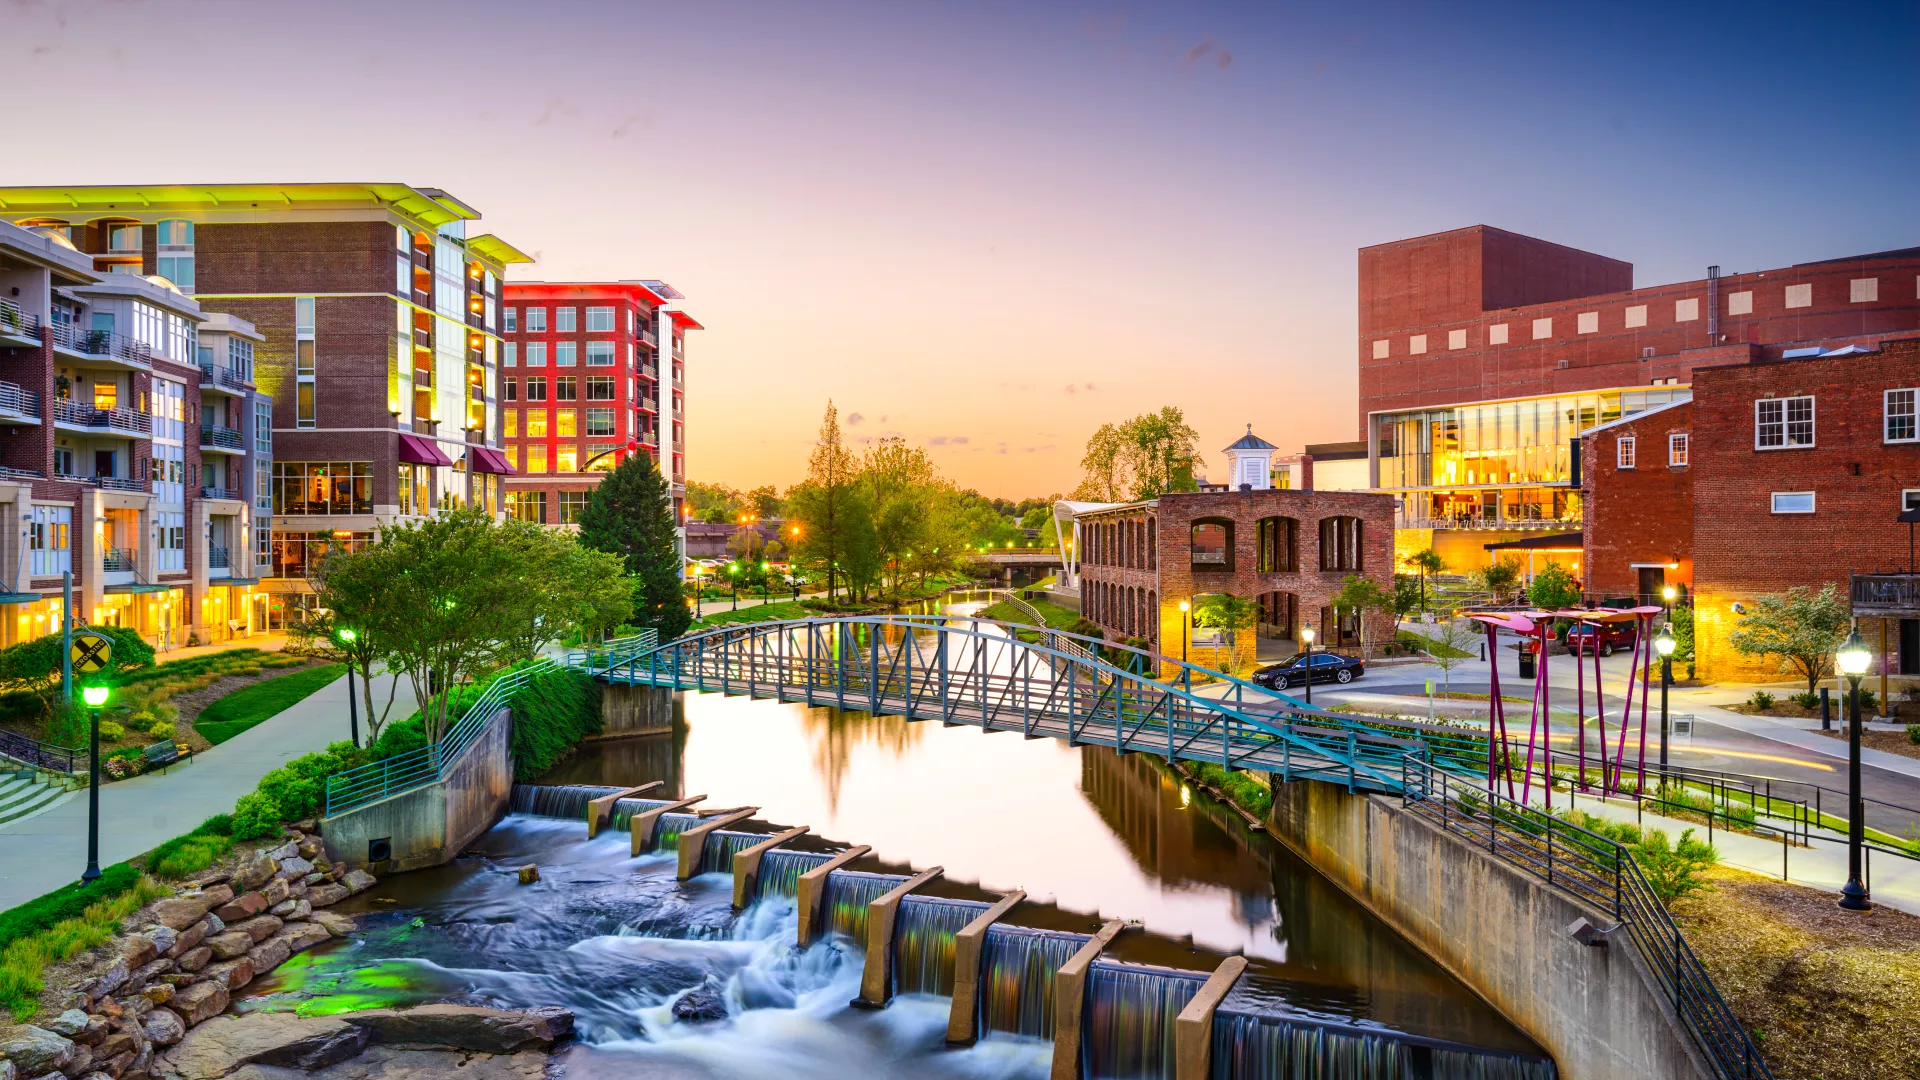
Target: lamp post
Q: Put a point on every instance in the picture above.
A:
(95, 697)
(1667, 596)
(697, 588)
(1853, 660)
(1306, 670)
(348, 636)
(765, 572)
(1186, 624)
(733, 576)
(1664, 645)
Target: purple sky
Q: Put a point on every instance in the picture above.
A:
(989, 228)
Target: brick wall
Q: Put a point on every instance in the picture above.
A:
(1638, 515)
(294, 257)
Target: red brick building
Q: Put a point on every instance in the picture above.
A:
(582, 386)
(1637, 484)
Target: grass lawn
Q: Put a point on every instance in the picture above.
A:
(1427, 644)
(779, 609)
(247, 706)
(1058, 617)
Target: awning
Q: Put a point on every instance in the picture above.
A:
(21, 598)
(234, 581)
(1567, 541)
(421, 451)
(137, 587)
(488, 460)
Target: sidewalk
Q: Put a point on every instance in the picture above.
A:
(43, 852)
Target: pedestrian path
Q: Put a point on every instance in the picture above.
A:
(41, 853)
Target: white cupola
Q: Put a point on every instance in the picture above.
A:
(1250, 462)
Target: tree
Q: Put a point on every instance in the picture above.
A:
(1225, 611)
(1801, 628)
(1140, 458)
(1103, 467)
(1499, 577)
(1039, 518)
(630, 515)
(1451, 647)
(1426, 562)
(747, 543)
(1362, 596)
(712, 502)
(764, 502)
(350, 593)
(1407, 595)
(1553, 588)
(900, 480)
(1681, 619)
(835, 517)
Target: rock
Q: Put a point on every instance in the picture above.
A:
(81, 1063)
(467, 1027)
(108, 981)
(116, 1065)
(529, 874)
(358, 881)
(199, 1002)
(337, 871)
(135, 1007)
(244, 906)
(187, 940)
(178, 980)
(68, 1024)
(314, 878)
(150, 972)
(285, 851)
(180, 912)
(327, 895)
(700, 1006)
(268, 955)
(254, 874)
(138, 950)
(291, 909)
(336, 924)
(214, 923)
(217, 895)
(276, 891)
(306, 825)
(163, 938)
(7, 1070)
(232, 974)
(163, 1027)
(295, 867)
(194, 959)
(220, 1046)
(302, 936)
(120, 1042)
(142, 1066)
(259, 928)
(230, 944)
(158, 993)
(205, 878)
(309, 850)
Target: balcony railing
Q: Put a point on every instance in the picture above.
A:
(100, 343)
(119, 560)
(16, 400)
(650, 372)
(651, 337)
(115, 483)
(1886, 595)
(211, 375)
(219, 493)
(15, 321)
(217, 558)
(69, 411)
(1475, 522)
(222, 438)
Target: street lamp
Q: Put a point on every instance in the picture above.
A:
(1306, 672)
(347, 637)
(1667, 595)
(1664, 645)
(697, 587)
(1852, 660)
(95, 697)
(733, 572)
(765, 568)
(1186, 624)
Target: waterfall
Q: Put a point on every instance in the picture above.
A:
(780, 871)
(1016, 993)
(848, 894)
(717, 856)
(667, 830)
(1130, 1012)
(1248, 1047)
(923, 931)
(556, 801)
(621, 819)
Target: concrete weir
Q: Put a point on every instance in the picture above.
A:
(600, 811)
(642, 825)
(876, 982)
(813, 889)
(1193, 1028)
(693, 842)
(1069, 1001)
(963, 1021)
(746, 865)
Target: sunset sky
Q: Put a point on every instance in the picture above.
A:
(989, 228)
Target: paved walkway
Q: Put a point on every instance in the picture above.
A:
(43, 852)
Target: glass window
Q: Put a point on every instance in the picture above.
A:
(565, 353)
(537, 424)
(536, 354)
(510, 354)
(1341, 543)
(1900, 425)
(1783, 423)
(304, 413)
(322, 487)
(536, 389)
(1212, 543)
(174, 233)
(1677, 448)
(568, 423)
(563, 320)
(602, 457)
(600, 422)
(1793, 502)
(511, 391)
(1624, 452)
(571, 504)
(527, 506)
(177, 269)
(600, 388)
(566, 459)
(564, 388)
(599, 354)
(303, 314)
(599, 320)
(536, 320)
(513, 321)
(536, 457)
(510, 423)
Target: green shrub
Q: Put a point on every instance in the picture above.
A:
(193, 852)
(1868, 701)
(550, 717)
(66, 902)
(111, 732)
(1913, 734)
(1806, 699)
(142, 720)
(161, 730)
(1674, 872)
(1761, 700)
(255, 816)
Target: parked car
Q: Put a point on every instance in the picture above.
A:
(1327, 667)
(1583, 638)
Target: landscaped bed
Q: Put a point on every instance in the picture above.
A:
(1905, 743)
(235, 711)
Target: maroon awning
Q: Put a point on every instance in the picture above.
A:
(419, 451)
(489, 460)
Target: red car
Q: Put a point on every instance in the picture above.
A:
(1584, 637)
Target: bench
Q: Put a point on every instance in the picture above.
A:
(164, 754)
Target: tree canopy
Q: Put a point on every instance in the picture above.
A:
(1139, 458)
(1800, 628)
(630, 516)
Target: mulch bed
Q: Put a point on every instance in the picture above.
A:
(1893, 742)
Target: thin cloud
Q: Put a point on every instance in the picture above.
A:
(1207, 51)
(854, 419)
(948, 440)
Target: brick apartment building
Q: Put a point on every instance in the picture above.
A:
(378, 316)
(1637, 486)
(1483, 355)
(1288, 549)
(135, 443)
(582, 387)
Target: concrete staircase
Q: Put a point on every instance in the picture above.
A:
(26, 792)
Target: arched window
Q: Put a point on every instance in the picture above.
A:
(1279, 615)
(1341, 542)
(1153, 615)
(1277, 550)
(1211, 546)
(1153, 545)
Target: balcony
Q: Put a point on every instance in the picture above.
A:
(1473, 522)
(115, 483)
(119, 560)
(423, 298)
(17, 403)
(650, 337)
(220, 493)
(223, 378)
(127, 423)
(647, 404)
(10, 473)
(423, 339)
(17, 323)
(218, 558)
(650, 372)
(222, 438)
(118, 349)
(1886, 596)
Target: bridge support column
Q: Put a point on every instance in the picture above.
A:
(693, 842)
(1193, 1028)
(813, 889)
(643, 824)
(634, 709)
(746, 865)
(1069, 1001)
(968, 945)
(600, 811)
(876, 982)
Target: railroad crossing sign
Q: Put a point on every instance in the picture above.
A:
(91, 652)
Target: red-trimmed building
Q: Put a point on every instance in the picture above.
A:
(592, 371)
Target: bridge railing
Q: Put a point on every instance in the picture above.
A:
(613, 652)
(1604, 874)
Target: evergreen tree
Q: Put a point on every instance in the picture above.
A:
(631, 515)
(834, 513)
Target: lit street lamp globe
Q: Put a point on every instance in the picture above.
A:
(1854, 657)
(94, 696)
(1664, 643)
(1306, 634)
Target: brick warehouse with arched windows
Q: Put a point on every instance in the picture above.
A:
(1289, 551)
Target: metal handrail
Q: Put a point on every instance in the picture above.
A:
(219, 493)
(116, 560)
(218, 559)
(40, 755)
(100, 343)
(115, 483)
(223, 437)
(15, 321)
(18, 400)
(1602, 872)
(69, 411)
(222, 376)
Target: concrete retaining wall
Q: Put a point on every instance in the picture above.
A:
(1500, 931)
(626, 709)
(430, 825)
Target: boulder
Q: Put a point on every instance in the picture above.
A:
(142, 1066)
(700, 1006)
(199, 1002)
(82, 1062)
(109, 980)
(275, 891)
(135, 1007)
(163, 938)
(227, 1043)
(158, 993)
(150, 972)
(187, 940)
(309, 849)
(93, 1034)
(230, 944)
(295, 910)
(180, 912)
(217, 895)
(467, 1027)
(177, 980)
(268, 955)
(259, 928)
(254, 874)
(244, 906)
(7, 1071)
(36, 1051)
(163, 1027)
(68, 1024)
(313, 879)
(285, 851)
(138, 950)
(214, 923)
(336, 924)
(120, 1042)
(297, 890)
(327, 895)
(301, 936)
(232, 974)
(205, 878)
(358, 881)
(295, 867)
(112, 1067)
(194, 959)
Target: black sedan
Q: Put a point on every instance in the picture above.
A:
(1327, 667)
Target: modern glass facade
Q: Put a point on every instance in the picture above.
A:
(1496, 464)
